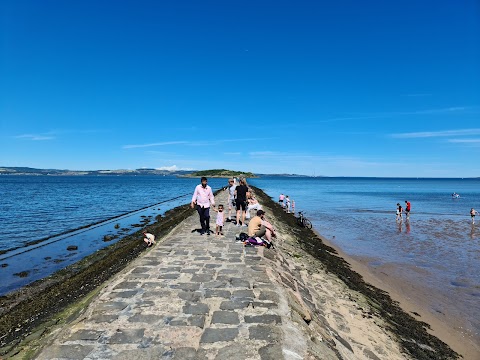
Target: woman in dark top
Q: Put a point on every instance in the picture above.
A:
(241, 201)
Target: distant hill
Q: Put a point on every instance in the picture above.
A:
(39, 172)
(222, 173)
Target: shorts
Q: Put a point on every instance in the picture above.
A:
(260, 232)
(241, 205)
(232, 203)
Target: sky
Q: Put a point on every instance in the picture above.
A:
(323, 88)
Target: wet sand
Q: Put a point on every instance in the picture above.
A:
(414, 298)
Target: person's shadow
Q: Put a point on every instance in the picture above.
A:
(196, 230)
(472, 232)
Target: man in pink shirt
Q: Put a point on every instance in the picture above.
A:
(202, 198)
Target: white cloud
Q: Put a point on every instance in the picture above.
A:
(34, 137)
(154, 144)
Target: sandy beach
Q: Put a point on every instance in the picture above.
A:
(415, 299)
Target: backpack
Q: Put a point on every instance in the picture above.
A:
(242, 236)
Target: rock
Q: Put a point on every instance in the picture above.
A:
(108, 238)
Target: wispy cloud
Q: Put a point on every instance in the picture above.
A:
(35, 137)
(196, 143)
(465, 141)
(429, 134)
(154, 144)
(391, 114)
(418, 95)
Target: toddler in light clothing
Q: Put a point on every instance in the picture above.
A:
(220, 220)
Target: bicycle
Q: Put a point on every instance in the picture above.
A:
(303, 221)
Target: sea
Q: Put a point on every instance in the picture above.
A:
(437, 248)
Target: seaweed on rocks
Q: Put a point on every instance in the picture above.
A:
(411, 333)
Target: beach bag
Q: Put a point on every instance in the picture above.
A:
(242, 236)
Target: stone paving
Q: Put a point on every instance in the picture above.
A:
(195, 296)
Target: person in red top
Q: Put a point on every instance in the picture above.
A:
(407, 208)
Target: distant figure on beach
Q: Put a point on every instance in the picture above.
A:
(220, 220)
(149, 238)
(473, 212)
(241, 201)
(259, 227)
(407, 208)
(202, 198)
(399, 212)
(293, 206)
(231, 197)
(287, 204)
(280, 200)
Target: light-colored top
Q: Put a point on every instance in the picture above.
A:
(254, 225)
(281, 197)
(203, 196)
(150, 237)
(231, 192)
(220, 218)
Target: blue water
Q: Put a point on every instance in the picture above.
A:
(438, 247)
(42, 207)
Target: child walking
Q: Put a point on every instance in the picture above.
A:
(220, 220)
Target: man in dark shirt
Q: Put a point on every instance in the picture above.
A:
(241, 201)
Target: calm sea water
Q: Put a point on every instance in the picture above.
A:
(40, 207)
(438, 247)
(356, 214)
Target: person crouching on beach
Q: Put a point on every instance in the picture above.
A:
(149, 238)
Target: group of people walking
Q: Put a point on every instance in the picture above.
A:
(408, 207)
(286, 203)
(400, 211)
(241, 201)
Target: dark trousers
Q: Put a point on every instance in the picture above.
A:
(204, 214)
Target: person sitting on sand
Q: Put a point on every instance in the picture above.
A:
(149, 238)
(259, 226)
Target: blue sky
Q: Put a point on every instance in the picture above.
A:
(337, 88)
